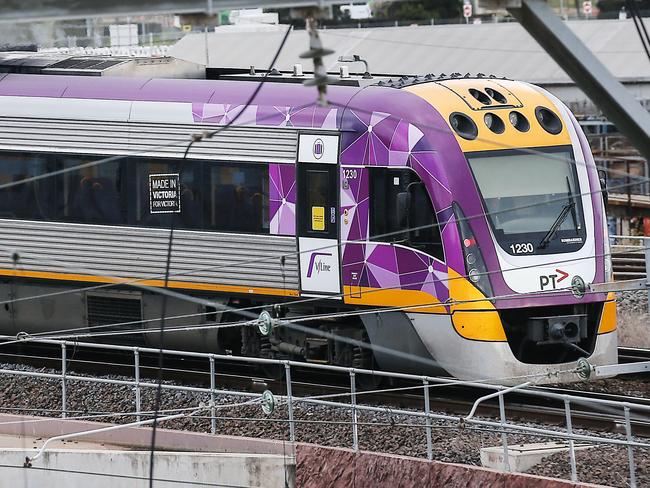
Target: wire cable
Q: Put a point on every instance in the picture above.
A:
(639, 25)
(170, 244)
(233, 310)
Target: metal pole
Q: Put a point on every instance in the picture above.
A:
(287, 370)
(646, 244)
(207, 48)
(136, 365)
(504, 436)
(630, 449)
(427, 411)
(64, 360)
(589, 73)
(213, 408)
(353, 402)
(572, 452)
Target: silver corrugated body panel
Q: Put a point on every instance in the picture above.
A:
(146, 139)
(128, 252)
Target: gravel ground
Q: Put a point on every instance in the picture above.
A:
(378, 431)
(591, 466)
(633, 319)
(629, 386)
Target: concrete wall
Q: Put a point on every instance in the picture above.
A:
(74, 468)
(320, 467)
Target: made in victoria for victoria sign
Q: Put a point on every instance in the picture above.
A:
(164, 193)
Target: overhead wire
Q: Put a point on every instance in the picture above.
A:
(234, 310)
(60, 333)
(169, 257)
(639, 26)
(171, 240)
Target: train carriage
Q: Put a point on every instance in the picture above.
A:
(458, 220)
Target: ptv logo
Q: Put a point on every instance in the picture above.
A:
(318, 149)
(549, 282)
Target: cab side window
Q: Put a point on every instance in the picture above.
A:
(401, 211)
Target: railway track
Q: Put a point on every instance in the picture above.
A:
(633, 354)
(455, 399)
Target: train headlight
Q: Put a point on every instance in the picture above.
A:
(463, 126)
(519, 121)
(473, 275)
(550, 122)
(477, 272)
(494, 123)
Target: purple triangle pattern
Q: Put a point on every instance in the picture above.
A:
(314, 117)
(282, 199)
(378, 139)
(391, 267)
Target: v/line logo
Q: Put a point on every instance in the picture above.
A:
(318, 266)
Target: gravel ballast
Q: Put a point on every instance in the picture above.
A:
(633, 319)
(378, 431)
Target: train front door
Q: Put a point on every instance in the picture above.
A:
(318, 215)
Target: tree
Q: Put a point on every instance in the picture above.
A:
(417, 10)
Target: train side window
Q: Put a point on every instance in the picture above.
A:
(237, 197)
(93, 194)
(401, 211)
(32, 200)
(186, 200)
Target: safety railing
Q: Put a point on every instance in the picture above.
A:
(502, 425)
(630, 263)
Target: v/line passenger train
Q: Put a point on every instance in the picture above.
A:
(470, 207)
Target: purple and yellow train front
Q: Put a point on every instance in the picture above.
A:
(473, 206)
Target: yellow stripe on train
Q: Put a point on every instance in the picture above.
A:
(187, 285)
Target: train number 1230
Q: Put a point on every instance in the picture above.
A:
(522, 248)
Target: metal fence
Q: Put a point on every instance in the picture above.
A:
(502, 425)
(630, 262)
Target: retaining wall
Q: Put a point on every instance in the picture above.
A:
(321, 467)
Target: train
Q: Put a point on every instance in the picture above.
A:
(453, 222)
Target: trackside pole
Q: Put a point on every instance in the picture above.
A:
(572, 452)
(353, 402)
(136, 366)
(292, 432)
(213, 417)
(630, 449)
(504, 436)
(64, 371)
(427, 412)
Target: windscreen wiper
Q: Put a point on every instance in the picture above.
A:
(568, 207)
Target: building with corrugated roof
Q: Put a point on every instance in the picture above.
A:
(502, 49)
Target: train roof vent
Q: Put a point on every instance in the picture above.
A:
(484, 94)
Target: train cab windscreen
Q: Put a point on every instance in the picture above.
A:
(532, 199)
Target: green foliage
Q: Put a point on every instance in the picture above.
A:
(418, 10)
(615, 5)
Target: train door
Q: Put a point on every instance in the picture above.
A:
(318, 214)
